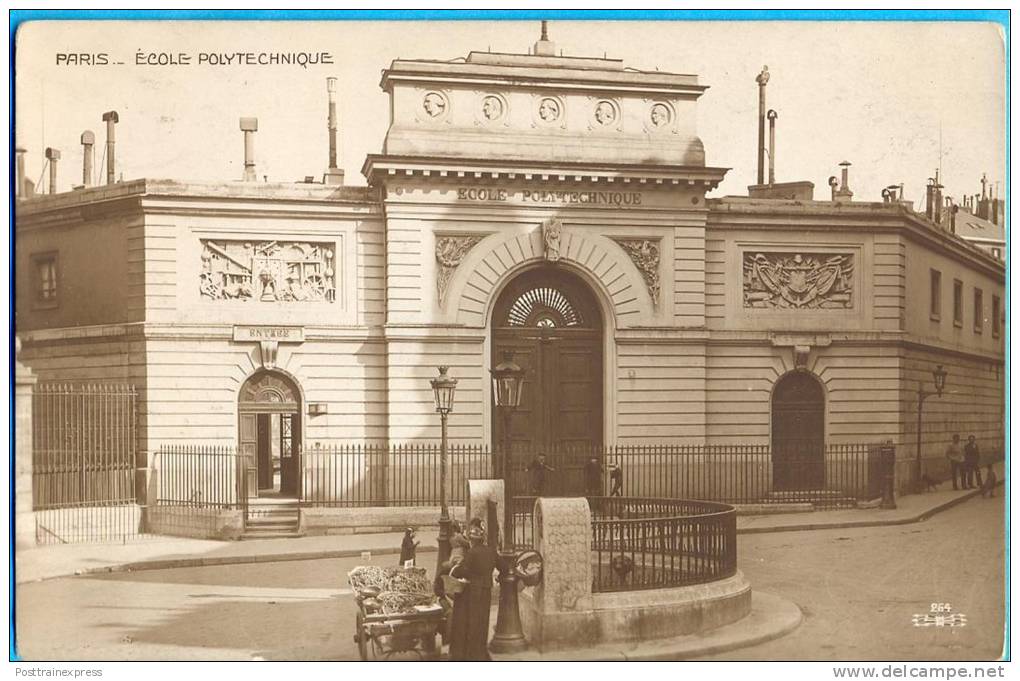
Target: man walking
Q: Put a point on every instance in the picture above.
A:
(616, 478)
(593, 478)
(971, 463)
(955, 456)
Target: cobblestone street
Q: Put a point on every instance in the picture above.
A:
(858, 589)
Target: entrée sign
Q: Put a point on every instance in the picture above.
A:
(598, 198)
(280, 334)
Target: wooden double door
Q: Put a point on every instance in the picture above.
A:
(561, 406)
(550, 320)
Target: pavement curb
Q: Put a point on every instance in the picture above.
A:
(771, 617)
(183, 562)
(839, 525)
(171, 563)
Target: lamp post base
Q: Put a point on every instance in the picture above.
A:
(443, 541)
(509, 635)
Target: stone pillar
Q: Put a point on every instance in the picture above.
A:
(558, 610)
(24, 519)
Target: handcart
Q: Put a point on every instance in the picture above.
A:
(397, 613)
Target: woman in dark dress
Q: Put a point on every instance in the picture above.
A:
(469, 626)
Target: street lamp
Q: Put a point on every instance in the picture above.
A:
(507, 384)
(443, 388)
(939, 374)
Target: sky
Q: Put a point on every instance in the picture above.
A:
(884, 96)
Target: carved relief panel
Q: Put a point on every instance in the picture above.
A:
(644, 253)
(268, 271)
(798, 280)
(450, 251)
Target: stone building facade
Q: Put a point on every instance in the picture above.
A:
(554, 206)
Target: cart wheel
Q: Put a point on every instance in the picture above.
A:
(361, 636)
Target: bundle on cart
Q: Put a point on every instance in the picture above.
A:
(392, 590)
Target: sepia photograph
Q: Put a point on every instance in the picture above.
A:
(517, 336)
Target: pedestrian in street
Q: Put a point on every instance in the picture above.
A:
(593, 478)
(955, 456)
(972, 463)
(988, 489)
(538, 469)
(616, 480)
(408, 547)
(469, 625)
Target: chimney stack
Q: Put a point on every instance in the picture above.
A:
(833, 186)
(545, 47)
(762, 80)
(843, 194)
(334, 175)
(88, 141)
(937, 198)
(21, 189)
(53, 155)
(249, 126)
(111, 119)
(772, 116)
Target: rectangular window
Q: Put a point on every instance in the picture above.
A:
(979, 312)
(957, 302)
(936, 295)
(996, 311)
(44, 271)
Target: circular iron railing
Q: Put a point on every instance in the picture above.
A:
(649, 543)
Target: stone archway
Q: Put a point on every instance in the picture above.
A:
(552, 322)
(269, 434)
(798, 432)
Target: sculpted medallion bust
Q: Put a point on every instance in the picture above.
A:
(605, 113)
(549, 110)
(434, 104)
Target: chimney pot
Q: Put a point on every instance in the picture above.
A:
(53, 155)
(843, 193)
(111, 118)
(249, 126)
(334, 175)
(772, 116)
(545, 47)
(762, 79)
(88, 141)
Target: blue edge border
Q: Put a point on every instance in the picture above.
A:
(18, 17)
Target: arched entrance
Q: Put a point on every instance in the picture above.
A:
(269, 434)
(552, 322)
(798, 433)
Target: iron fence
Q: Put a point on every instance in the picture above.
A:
(404, 475)
(828, 476)
(656, 543)
(358, 475)
(200, 477)
(83, 463)
(83, 445)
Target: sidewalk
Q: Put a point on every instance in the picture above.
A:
(170, 552)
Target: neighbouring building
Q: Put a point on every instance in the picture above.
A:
(554, 206)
